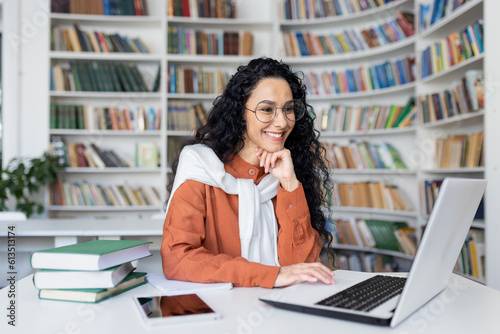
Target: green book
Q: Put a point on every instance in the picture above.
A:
(133, 280)
(91, 255)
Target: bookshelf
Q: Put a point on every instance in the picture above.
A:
(267, 25)
(401, 138)
(469, 122)
(150, 30)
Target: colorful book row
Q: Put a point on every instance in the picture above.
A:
(90, 155)
(100, 77)
(460, 151)
(432, 11)
(196, 80)
(88, 194)
(307, 44)
(377, 195)
(185, 115)
(457, 47)
(429, 190)
(83, 117)
(361, 79)
(465, 96)
(188, 41)
(81, 155)
(221, 9)
(100, 7)
(368, 233)
(306, 9)
(471, 261)
(364, 155)
(343, 118)
(366, 262)
(76, 40)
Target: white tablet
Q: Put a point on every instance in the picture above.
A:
(163, 310)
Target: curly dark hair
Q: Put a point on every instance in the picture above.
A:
(225, 128)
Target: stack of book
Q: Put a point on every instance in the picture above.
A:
(89, 271)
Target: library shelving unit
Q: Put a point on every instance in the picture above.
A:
(150, 29)
(428, 132)
(266, 21)
(256, 18)
(400, 138)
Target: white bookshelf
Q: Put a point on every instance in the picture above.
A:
(462, 124)
(265, 20)
(151, 30)
(401, 138)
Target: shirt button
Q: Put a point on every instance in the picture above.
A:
(291, 206)
(251, 172)
(256, 284)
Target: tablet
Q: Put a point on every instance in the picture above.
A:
(163, 310)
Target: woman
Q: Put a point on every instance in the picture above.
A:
(246, 202)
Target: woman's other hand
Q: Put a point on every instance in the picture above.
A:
(304, 272)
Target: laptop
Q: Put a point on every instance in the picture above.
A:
(398, 296)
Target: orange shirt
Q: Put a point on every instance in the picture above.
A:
(201, 240)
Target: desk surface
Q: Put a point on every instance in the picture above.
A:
(464, 307)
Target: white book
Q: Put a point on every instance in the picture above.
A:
(81, 279)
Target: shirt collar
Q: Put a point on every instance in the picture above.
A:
(241, 169)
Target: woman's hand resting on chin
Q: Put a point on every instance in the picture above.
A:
(280, 165)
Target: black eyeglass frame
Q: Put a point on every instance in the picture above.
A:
(276, 110)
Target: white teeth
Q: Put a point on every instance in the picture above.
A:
(275, 135)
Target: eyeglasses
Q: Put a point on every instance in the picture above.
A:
(266, 111)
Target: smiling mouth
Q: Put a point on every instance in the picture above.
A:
(274, 135)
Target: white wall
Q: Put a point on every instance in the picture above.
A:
(26, 31)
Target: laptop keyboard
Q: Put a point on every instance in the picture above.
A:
(367, 294)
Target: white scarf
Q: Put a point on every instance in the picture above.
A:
(257, 222)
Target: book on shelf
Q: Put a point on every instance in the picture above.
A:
(305, 43)
(362, 261)
(377, 195)
(97, 76)
(471, 261)
(74, 39)
(81, 279)
(431, 11)
(464, 96)
(361, 79)
(90, 255)
(100, 7)
(395, 236)
(429, 190)
(303, 9)
(189, 41)
(137, 118)
(221, 9)
(90, 194)
(69, 116)
(85, 155)
(364, 155)
(460, 151)
(147, 155)
(133, 280)
(185, 115)
(457, 47)
(185, 80)
(348, 118)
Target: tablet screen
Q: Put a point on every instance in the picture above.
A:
(164, 307)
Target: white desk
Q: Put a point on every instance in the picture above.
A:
(464, 307)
